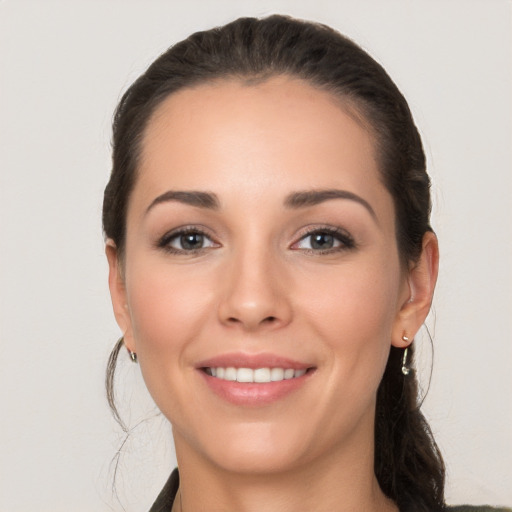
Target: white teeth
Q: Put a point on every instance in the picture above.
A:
(262, 375)
(257, 375)
(276, 374)
(230, 373)
(288, 373)
(245, 375)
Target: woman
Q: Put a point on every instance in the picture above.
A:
(271, 261)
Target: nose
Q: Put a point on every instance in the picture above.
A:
(255, 293)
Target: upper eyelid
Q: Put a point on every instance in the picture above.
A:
(307, 231)
(189, 228)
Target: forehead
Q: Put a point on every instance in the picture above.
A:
(282, 134)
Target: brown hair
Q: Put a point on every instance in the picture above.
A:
(408, 464)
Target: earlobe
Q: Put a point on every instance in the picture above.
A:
(118, 296)
(421, 280)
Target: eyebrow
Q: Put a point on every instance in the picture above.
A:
(301, 199)
(206, 200)
(307, 198)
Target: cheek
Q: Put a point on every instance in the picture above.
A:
(168, 308)
(354, 314)
(356, 297)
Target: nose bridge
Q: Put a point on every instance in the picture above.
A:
(253, 294)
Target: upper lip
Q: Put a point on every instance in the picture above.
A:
(244, 360)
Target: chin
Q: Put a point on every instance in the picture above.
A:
(248, 448)
(257, 460)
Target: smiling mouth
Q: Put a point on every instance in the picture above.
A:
(256, 375)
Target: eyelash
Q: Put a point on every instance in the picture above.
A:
(168, 238)
(343, 237)
(346, 241)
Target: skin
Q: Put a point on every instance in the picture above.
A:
(257, 286)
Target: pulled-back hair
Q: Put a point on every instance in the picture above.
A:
(408, 465)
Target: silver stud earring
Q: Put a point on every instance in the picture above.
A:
(405, 338)
(405, 369)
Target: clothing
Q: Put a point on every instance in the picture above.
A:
(475, 508)
(167, 496)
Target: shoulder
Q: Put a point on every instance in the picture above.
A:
(476, 508)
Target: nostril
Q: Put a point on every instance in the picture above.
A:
(266, 320)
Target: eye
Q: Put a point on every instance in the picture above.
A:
(189, 240)
(325, 240)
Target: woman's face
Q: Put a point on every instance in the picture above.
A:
(260, 246)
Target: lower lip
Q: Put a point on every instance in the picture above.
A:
(254, 393)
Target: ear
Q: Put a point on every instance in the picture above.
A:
(118, 296)
(421, 281)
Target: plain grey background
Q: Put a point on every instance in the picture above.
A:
(63, 66)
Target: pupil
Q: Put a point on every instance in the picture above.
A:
(192, 241)
(322, 241)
